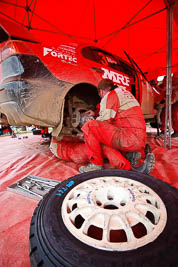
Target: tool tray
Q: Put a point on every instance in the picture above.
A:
(33, 186)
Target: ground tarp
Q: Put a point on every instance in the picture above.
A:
(31, 156)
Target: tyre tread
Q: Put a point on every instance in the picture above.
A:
(94, 257)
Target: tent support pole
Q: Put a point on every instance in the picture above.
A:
(169, 79)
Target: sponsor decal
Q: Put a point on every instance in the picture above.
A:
(132, 194)
(88, 197)
(62, 190)
(64, 53)
(116, 77)
(68, 48)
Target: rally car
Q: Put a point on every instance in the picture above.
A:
(51, 85)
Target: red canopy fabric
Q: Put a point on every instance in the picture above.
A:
(138, 27)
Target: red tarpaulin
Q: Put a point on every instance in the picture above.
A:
(139, 26)
(31, 156)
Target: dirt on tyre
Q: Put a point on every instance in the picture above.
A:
(107, 218)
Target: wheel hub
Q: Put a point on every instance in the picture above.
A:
(110, 197)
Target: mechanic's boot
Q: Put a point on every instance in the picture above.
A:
(133, 157)
(90, 167)
(147, 149)
(147, 166)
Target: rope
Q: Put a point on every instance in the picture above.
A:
(95, 40)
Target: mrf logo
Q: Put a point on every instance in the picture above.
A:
(69, 58)
(115, 77)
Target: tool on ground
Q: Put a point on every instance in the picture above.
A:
(33, 186)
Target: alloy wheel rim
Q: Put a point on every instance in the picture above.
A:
(114, 213)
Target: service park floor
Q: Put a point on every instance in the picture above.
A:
(21, 157)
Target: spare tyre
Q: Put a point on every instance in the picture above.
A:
(106, 218)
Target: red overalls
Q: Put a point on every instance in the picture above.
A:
(120, 126)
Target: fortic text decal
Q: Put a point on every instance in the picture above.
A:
(65, 56)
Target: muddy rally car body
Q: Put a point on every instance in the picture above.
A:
(50, 85)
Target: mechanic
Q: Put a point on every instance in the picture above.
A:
(120, 126)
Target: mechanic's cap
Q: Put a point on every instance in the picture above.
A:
(105, 84)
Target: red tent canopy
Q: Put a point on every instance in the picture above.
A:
(138, 27)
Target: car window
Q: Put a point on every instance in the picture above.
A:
(104, 58)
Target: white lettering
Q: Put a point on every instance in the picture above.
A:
(54, 54)
(62, 56)
(109, 74)
(115, 77)
(65, 57)
(127, 80)
(123, 79)
(46, 51)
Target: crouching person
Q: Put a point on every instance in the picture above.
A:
(119, 126)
